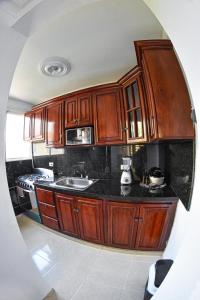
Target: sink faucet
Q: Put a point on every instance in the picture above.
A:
(79, 170)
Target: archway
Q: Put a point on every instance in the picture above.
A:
(181, 281)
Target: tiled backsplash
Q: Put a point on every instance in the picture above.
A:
(17, 168)
(179, 169)
(174, 158)
(102, 162)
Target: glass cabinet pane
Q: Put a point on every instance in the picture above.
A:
(129, 95)
(138, 116)
(136, 94)
(131, 124)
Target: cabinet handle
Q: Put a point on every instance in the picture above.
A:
(152, 125)
(124, 129)
(76, 210)
(138, 219)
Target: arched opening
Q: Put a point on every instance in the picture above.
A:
(191, 211)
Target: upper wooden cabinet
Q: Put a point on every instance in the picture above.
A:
(38, 124)
(134, 104)
(28, 126)
(34, 125)
(169, 107)
(109, 116)
(54, 125)
(149, 103)
(78, 110)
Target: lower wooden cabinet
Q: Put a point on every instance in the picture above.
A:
(67, 213)
(50, 222)
(141, 226)
(154, 225)
(81, 217)
(47, 208)
(121, 227)
(90, 216)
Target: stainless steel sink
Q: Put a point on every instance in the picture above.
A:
(74, 183)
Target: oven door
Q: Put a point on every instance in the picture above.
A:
(26, 198)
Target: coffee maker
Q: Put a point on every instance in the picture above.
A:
(126, 177)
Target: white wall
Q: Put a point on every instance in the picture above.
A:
(17, 106)
(180, 19)
(19, 278)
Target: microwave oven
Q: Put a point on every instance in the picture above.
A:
(79, 136)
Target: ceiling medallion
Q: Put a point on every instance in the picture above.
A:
(55, 66)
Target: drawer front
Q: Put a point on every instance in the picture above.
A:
(48, 210)
(49, 222)
(45, 196)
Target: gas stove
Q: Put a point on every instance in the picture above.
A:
(39, 174)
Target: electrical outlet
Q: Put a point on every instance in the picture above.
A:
(50, 164)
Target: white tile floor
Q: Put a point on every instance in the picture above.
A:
(82, 271)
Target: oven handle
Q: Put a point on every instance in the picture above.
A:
(28, 191)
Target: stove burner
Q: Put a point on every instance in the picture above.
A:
(27, 181)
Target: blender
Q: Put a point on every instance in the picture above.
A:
(126, 177)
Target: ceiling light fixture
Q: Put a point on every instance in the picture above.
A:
(55, 66)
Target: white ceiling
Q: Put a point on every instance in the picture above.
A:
(96, 39)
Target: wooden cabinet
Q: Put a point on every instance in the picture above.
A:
(67, 213)
(90, 214)
(81, 217)
(28, 126)
(71, 118)
(47, 208)
(139, 226)
(78, 110)
(34, 125)
(109, 116)
(54, 125)
(121, 227)
(169, 107)
(154, 223)
(38, 124)
(134, 104)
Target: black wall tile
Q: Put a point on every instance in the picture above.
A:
(17, 168)
(179, 169)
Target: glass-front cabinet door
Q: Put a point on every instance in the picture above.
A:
(135, 110)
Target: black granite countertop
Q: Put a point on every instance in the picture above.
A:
(111, 189)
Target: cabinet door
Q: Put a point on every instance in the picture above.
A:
(54, 125)
(38, 124)
(154, 225)
(85, 116)
(121, 225)
(167, 95)
(108, 117)
(67, 214)
(135, 110)
(71, 116)
(45, 196)
(90, 219)
(28, 126)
